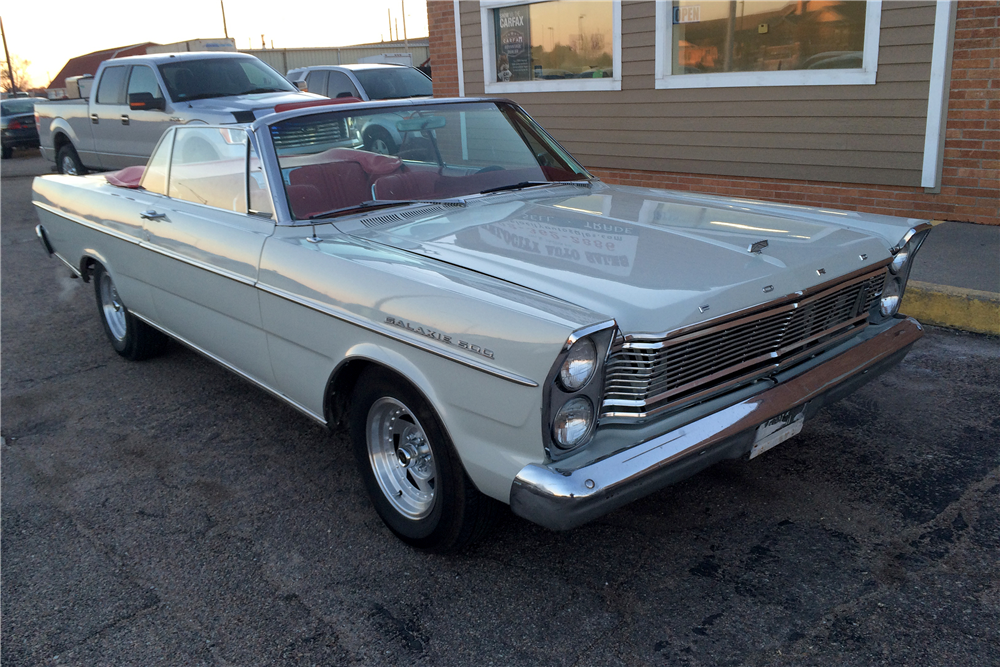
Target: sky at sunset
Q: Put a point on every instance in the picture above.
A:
(50, 33)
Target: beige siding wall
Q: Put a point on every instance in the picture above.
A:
(856, 134)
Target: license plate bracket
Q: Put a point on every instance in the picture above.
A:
(776, 430)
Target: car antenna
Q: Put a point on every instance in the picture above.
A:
(314, 238)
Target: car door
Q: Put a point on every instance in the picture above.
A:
(106, 117)
(141, 127)
(204, 233)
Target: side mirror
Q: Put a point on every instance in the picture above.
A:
(146, 102)
(301, 85)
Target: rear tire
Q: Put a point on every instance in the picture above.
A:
(8, 152)
(411, 471)
(131, 337)
(68, 162)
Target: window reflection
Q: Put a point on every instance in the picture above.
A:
(763, 36)
(554, 40)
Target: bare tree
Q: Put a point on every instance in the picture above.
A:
(19, 68)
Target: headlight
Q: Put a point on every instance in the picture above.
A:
(573, 423)
(579, 366)
(889, 304)
(899, 261)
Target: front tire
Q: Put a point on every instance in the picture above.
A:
(411, 471)
(378, 140)
(131, 337)
(68, 162)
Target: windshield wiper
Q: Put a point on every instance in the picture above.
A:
(254, 91)
(382, 203)
(531, 184)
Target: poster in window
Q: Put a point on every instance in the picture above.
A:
(513, 40)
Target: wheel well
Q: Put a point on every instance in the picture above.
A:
(87, 265)
(337, 402)
(340, 389)
(60, 140)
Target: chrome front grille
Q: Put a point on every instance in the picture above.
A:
(646, 376)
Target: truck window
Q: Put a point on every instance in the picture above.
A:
(111, 89)
(316, 82)
(142, 80)
(341, 86)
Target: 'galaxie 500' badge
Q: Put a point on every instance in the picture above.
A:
(438, 336)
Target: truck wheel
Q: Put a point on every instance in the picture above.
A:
(131, 337)
(7, 152)
(410, 469)
(68, 162)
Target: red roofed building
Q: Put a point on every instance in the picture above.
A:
(89, 63)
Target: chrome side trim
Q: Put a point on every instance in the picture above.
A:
(72, 268)
(274, 392)
(559, 497)
(86, 223)
(159, 250)
(389, 333)
(148, 246)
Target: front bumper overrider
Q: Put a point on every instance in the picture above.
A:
(559, 498)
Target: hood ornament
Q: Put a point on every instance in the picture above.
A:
(755, 248)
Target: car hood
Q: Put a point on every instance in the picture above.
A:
(653, 260)
(257, 102)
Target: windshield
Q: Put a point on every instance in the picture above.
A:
(14, 107)
(220, 77)
(390, 83)
(334, 161)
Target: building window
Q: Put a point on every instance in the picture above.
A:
(551, 46)
(766, 43)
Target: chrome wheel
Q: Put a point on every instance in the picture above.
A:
(69, 165)
(401, 458)
(112, 308)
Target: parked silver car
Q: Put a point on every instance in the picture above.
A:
(369, 81)
(489, 322)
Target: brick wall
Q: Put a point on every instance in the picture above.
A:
(970, 187)
(444, 54)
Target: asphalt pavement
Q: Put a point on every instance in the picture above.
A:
(168, 513)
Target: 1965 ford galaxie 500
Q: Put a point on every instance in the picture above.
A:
(488, 321)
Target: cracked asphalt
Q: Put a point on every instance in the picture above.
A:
(167, 513)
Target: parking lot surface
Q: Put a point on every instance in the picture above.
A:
(167, 513)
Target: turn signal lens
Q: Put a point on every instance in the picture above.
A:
(573, 423)
(579, 365)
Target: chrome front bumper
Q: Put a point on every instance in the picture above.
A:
(560, 498)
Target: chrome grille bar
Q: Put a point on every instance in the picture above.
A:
(645, 376)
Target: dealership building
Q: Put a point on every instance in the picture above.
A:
(883, 107)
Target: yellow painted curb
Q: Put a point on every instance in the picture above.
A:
(954, 307)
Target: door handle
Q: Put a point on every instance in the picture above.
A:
(94, 119)
(124, 119)
(153, 215)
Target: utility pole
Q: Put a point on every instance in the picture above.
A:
(10, 70)
(224, 28)
(389, 13)
(406, 41)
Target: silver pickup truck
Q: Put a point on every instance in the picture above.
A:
(135, 99)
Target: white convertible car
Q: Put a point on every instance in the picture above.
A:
(488, 320)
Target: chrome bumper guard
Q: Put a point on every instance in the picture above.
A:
(561, 499)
